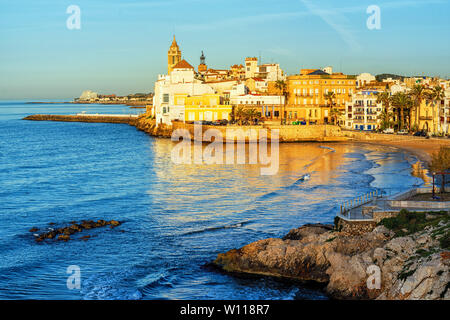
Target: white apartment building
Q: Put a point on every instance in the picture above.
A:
(270, 72)
(363, 112)
(267, 71)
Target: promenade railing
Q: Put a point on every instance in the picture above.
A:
(359, 201)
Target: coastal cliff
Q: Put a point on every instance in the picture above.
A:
(413, 266)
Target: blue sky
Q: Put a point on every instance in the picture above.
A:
(122, 45)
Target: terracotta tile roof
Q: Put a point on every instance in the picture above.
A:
(183, 64)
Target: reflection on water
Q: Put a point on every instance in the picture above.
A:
(419, 171)
(176, 217)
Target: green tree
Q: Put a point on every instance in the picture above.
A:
(440, 162)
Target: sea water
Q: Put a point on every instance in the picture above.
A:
(176, 218)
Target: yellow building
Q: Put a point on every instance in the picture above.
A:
(426, 117)
(173, 56)
(209, 107)
(306, 100)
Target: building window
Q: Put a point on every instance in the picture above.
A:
(165, 98)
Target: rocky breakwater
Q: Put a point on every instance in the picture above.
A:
(126, 119)
(64, 233)
(412, 264)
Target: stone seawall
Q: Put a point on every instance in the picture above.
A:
(80, 118)
(326, 133)
(372, 136)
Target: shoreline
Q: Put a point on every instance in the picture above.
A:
(423, 153)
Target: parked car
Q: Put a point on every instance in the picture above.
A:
(388, 130)
(420, 134)
(222, 122)
(403, 132)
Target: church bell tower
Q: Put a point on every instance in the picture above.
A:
(173, 56)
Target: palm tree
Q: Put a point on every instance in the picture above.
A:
(434, 96)
(329, 97)
(385, 99)
(385, 123)
(281, 85)
(334, 112)
(401, 101)
(417, 94)
(240, 115)
(251, 114)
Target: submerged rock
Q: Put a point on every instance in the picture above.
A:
(64, 233)
(63, 237)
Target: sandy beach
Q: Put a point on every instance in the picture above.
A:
(423, 149)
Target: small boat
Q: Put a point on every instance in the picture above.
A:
(306, 177)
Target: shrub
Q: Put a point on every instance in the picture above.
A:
(410, 222)
(445, 241)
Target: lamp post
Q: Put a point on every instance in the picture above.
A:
(433, 185)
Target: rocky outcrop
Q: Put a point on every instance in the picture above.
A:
(410, 267)
(148, 125)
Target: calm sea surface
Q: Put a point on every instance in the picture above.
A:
(176, 217)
